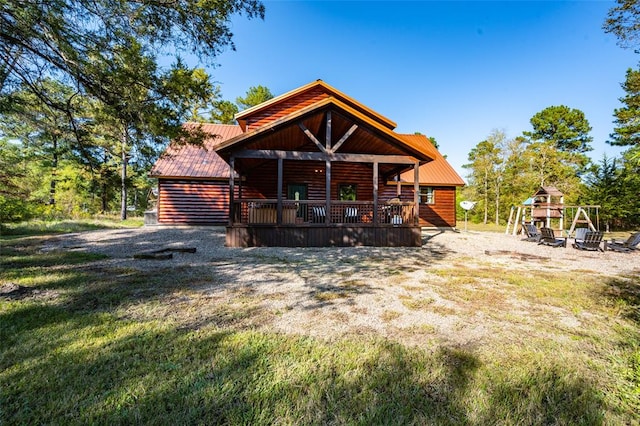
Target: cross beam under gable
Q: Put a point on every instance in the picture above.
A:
(327, 148)
(312, 137)
(344, 138)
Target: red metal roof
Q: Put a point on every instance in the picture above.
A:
(190, 161)
(436, 172)
(194, 161)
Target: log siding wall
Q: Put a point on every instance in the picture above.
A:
(285, 108)
(442, 213)
(183, 201)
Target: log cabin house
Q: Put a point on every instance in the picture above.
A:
(312, 167)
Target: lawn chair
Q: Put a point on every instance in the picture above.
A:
(592, 240)
(580, 233)
(624, 246)
(533, 234)
(548, 238)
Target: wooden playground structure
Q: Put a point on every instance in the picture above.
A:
(546, 208)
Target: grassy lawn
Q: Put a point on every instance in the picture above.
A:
(41, 227)
(86, 344)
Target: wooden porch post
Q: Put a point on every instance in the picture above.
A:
(375, 192)
(232, 172)
(416, 192)
(327, 216)
(398, 186)
(279, 211)
(327, 142)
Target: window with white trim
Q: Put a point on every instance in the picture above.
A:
(427, 195)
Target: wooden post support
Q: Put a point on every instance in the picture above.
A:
(375, 193)
(416, 193)
(327, 216)
(548, 222)
(327, 141)
(279, 208)
(232, 162)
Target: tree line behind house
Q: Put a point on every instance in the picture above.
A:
(504, 171)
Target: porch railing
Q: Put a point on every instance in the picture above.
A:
(306, 212)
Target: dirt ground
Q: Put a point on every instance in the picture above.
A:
(459, 288)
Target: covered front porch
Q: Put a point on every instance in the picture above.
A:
(305, 223)
(290, 181)
(378, 217)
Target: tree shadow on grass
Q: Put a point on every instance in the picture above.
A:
(624, 293)
(152, 374)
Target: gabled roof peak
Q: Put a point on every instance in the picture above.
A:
(243, 116)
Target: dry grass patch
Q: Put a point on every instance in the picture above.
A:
(327, 296)
(388, 315)
(412, 288)
(353, 283)
(416, 303)
(420, 329)
(443, 310)
(359, 310)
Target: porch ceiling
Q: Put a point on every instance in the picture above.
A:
(291, 137)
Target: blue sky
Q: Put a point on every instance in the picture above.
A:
(452, 70)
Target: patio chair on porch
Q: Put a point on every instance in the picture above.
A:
(592, 240)
(533, 234)
(548, 238)
(351, 215)
(319, 214)
(624, 246)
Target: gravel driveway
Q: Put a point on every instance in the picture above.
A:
(406, 294)
(503, 250)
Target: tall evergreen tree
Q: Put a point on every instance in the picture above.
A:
(627, 118)
(485, 162)
(566, 128)
(44, 128)
(255, 96)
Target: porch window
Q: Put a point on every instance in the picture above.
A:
(347, 192)
(427, 195)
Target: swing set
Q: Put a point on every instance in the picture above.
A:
(546, 208)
